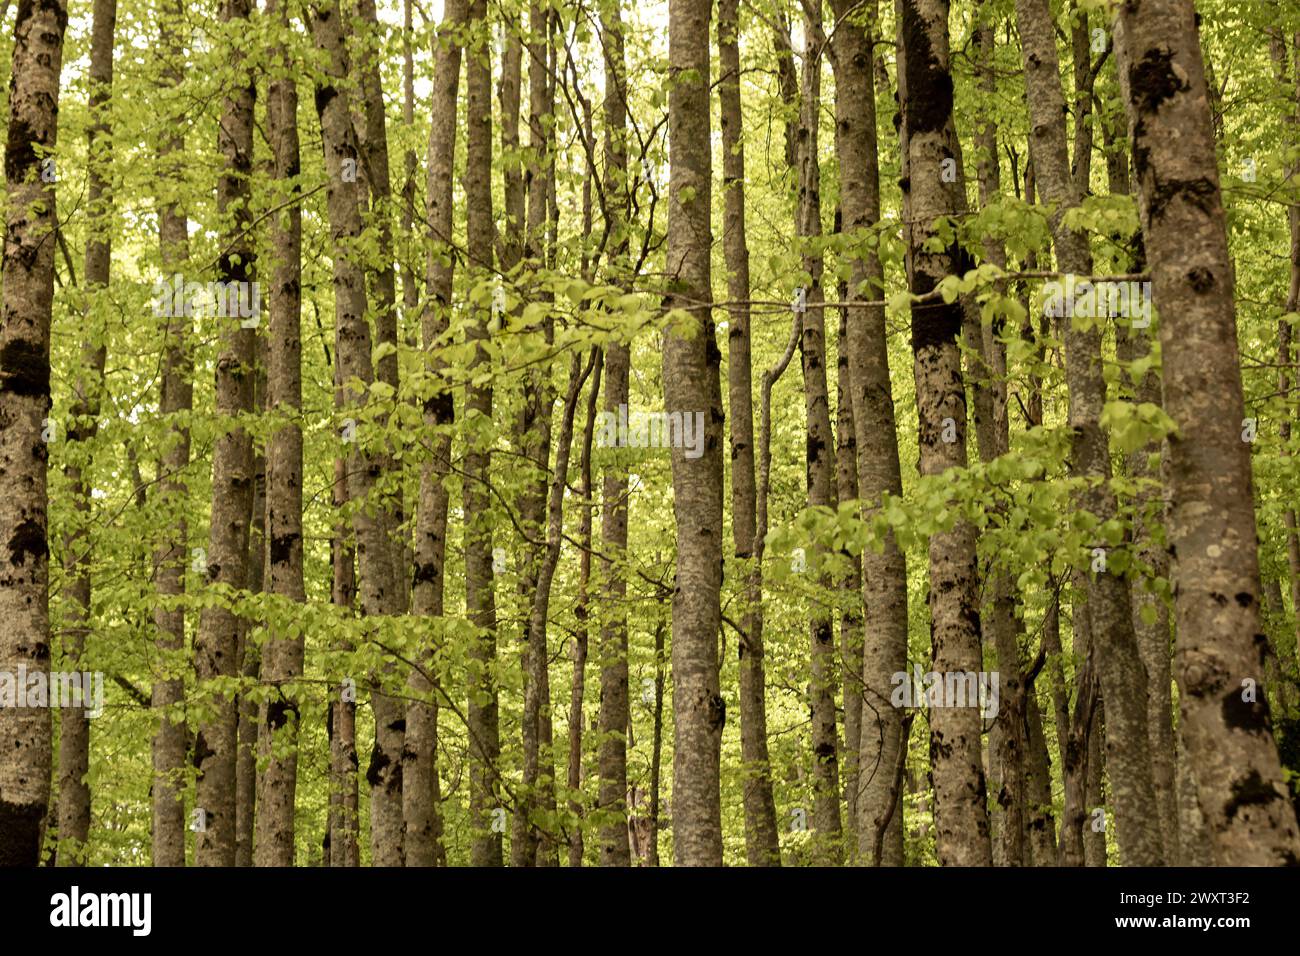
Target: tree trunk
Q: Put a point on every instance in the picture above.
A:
(216, 644)
(691, 384)
(762, 847)
(820, 450)
(28, 282)
(936, 188)
(1210, 518)
(614, 713)
(534, 429)
(884, 572)
(167, 833)
(344, 849)
(420, 786)
(581, 615)
(379, 593)
(282, 660)
(248, 652)
(850, 586)
(480, 599)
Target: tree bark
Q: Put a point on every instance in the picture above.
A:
(819, 449)
(1211, 523)
(936, 189)
(691, 384)
(379, 593)
(480, 599)
(282, 661)
(28, 279)
(216, 645)
(420, 786)
(762, 845)
(176, 400)
(614, 714)
(884, 572)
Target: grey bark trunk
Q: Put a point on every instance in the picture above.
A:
(217, 642)
(28, 279)
(691, 385)
(1211, 520)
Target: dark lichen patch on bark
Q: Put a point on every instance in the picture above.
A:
(1251, 790)
(1247, 716)
(27, 541)
(929, 113)
(24, 369)
(1154, 79)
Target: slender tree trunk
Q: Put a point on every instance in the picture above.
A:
(582, 615)
(24, 406)
(1210, 518)
(216, 644)
(283, 654)
(1120, 671)
(420, 787)
(248, 652)
(535, 438)
(936, 188)
(614, 712)
(820, 449)
(656, 743)
(884, 572)
(385, 771)
(344, 849)
(850, 586)
(379, 594)
(762, 847)
(74, 726)
(1008, 740)
(167, 835)
(484, 728)
(691, 385)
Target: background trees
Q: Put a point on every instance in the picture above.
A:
(511, 478)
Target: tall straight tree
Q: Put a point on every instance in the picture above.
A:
(534, 427)
(762, 844)
(217, 641)
(282, 656)
(820, 447)
(884, 572)
(935, 187)
(691, 385)
(1212, 535)
(480, 594)
(420, 788)
(378, 589)
(74, 727)
(176, 399)
(384, 773)
(28, 274)
(1120, 671)
(613, 717)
